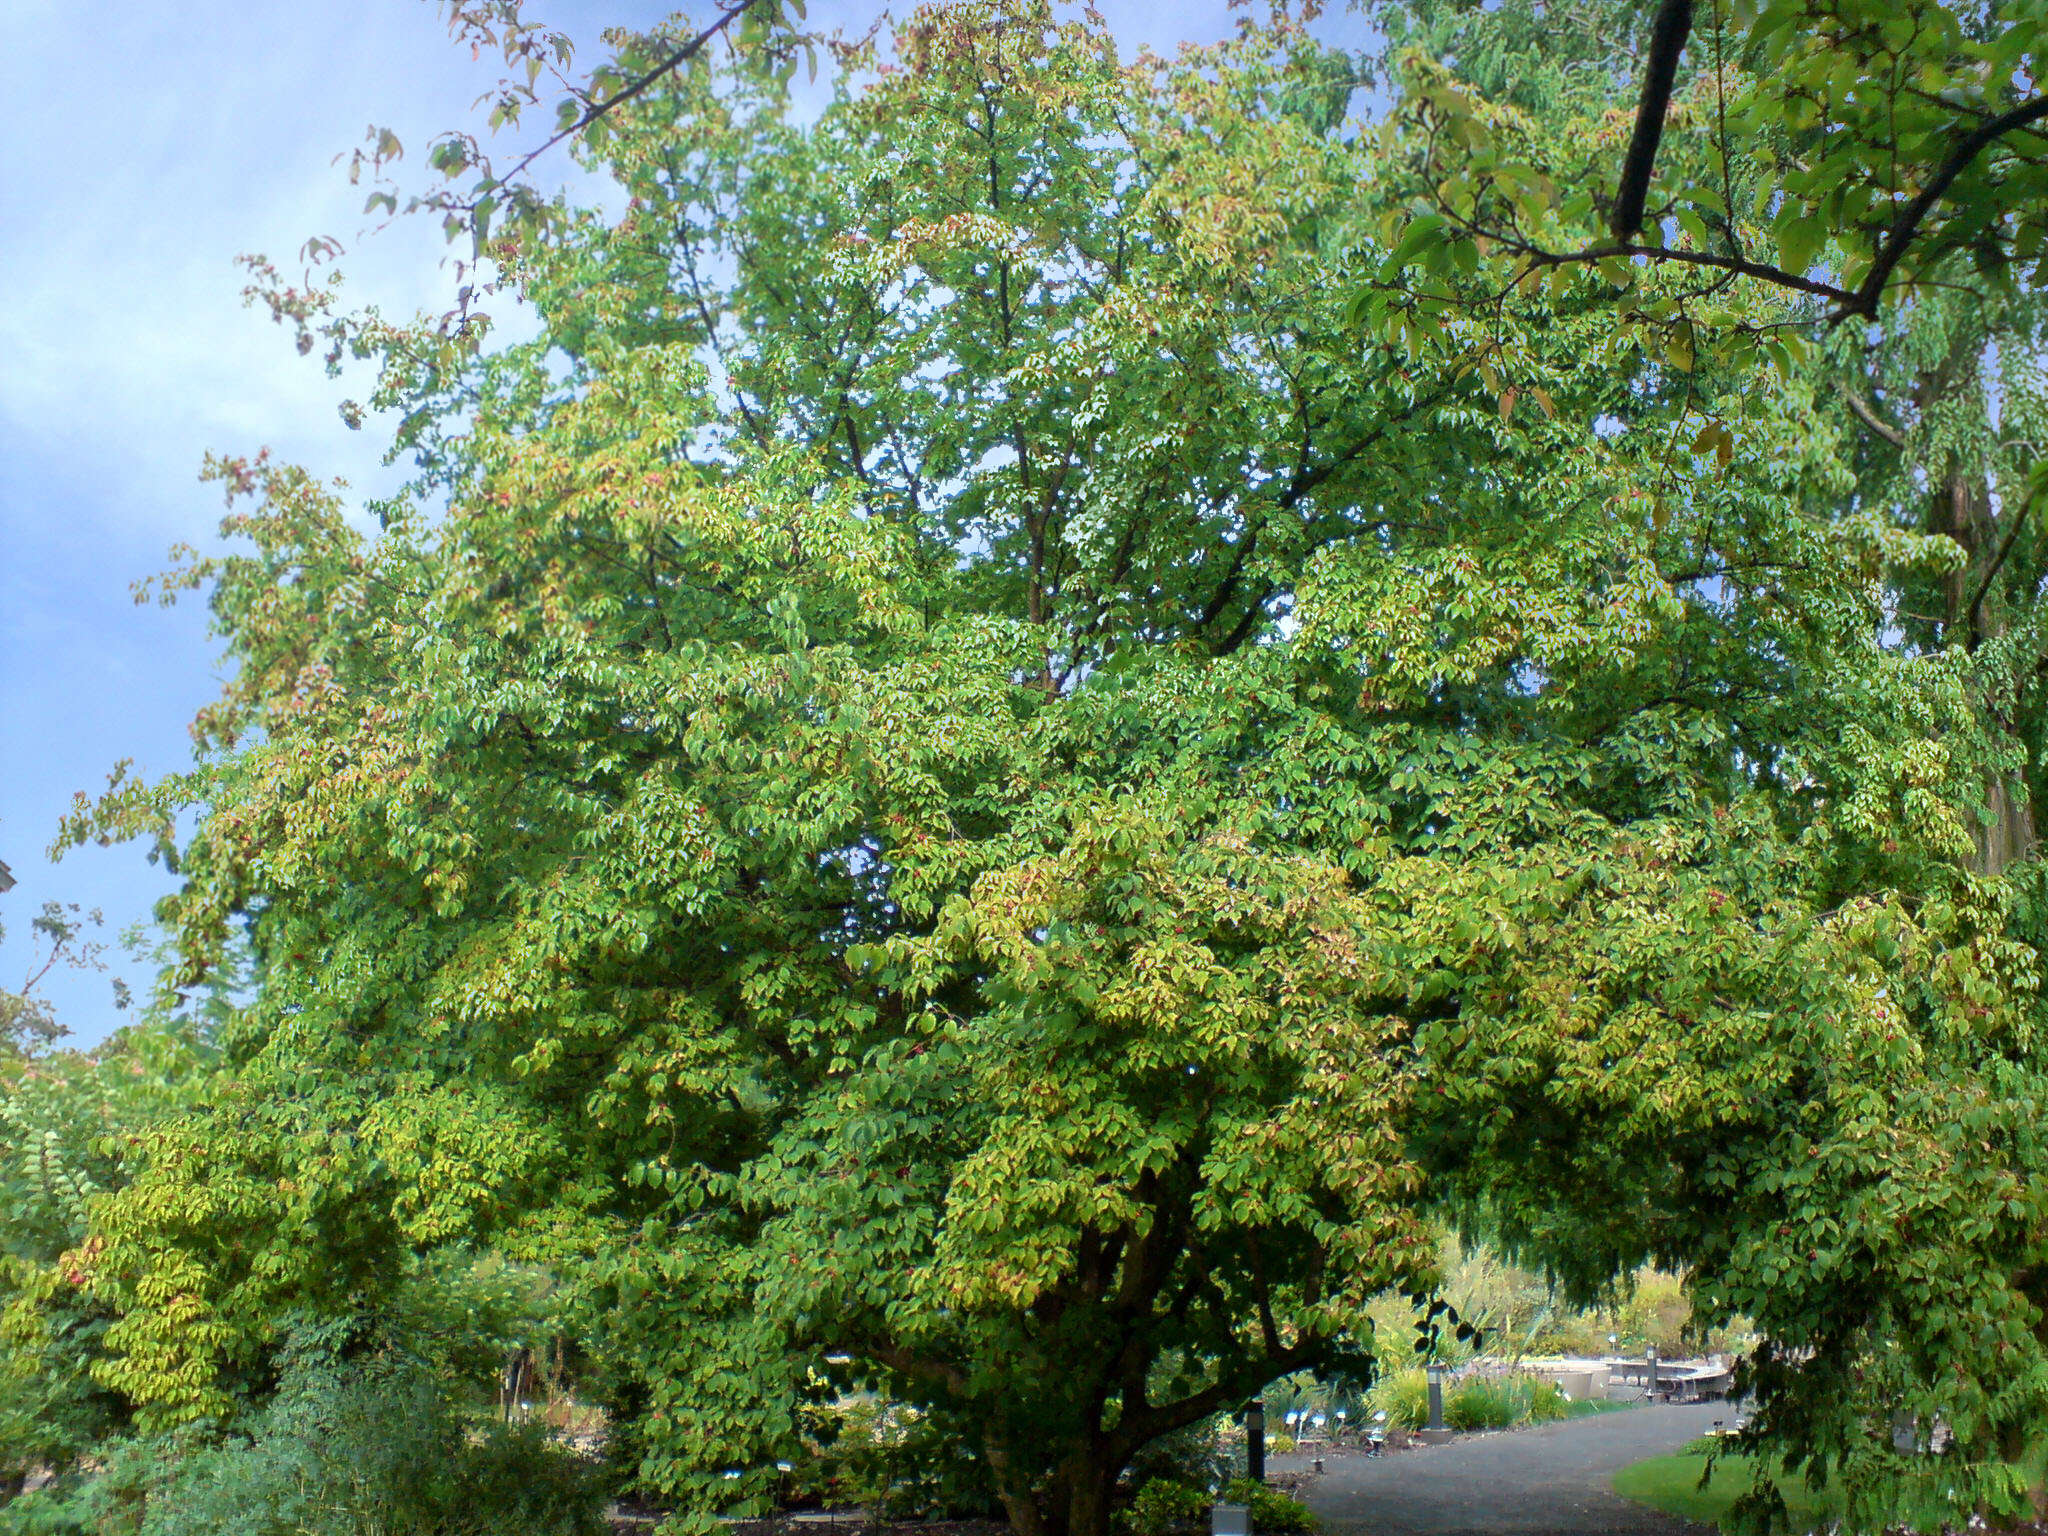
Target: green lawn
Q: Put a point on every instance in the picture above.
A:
(1672, 1484)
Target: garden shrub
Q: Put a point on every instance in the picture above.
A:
(1470, 1402)
(1194, 1456)
(1164, 1507)
(1502, 1402)
(1547, 1401)
(1479, 1403)
(1403, 1396)
(1273, 1512)
(362, 1451)
(896, 1462)
(378, 1452)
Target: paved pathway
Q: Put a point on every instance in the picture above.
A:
(1531, 1482)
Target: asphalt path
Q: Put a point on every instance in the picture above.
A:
(1530, 1482)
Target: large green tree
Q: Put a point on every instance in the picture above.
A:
(953, 781)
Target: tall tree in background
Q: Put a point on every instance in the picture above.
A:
(1876, 1208)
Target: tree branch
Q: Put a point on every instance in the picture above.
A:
(1867, 414)
(668, 66)
(1667, 41)
(1231, 1386)
(1739, 265)
(1907, 223)
(916, 1367)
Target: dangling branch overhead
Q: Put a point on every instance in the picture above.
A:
(1667, 41)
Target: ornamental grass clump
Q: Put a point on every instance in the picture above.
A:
(1502, 1402)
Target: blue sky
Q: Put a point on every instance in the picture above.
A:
(148, 146)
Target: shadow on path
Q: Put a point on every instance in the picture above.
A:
(1524, 1483)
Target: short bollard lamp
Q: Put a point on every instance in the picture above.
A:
(1230, 1520)
(1436, 1395)
(1650, 1362)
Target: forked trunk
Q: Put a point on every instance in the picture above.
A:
(1076, 1500)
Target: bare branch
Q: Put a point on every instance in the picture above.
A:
(1667, 41)
(1867, 414)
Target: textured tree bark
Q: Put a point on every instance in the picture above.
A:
(2009, 835)
(1972, 615)
(1020, 1502)
(1075, 1501)
(1090, 1486)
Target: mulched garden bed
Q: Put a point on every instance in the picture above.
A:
(632, 1519)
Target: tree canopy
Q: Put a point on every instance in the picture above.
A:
(968, 776)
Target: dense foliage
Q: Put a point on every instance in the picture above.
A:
(968, 779)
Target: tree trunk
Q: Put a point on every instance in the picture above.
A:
(1076, 1500)
(2010, 836)
(1091, 1486)
(1014, 1489)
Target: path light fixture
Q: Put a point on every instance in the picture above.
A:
(1436, 1395)
(1650, 1359)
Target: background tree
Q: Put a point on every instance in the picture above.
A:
(1867, 1203)
(69, 1121)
